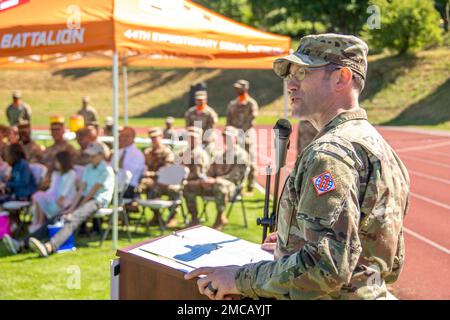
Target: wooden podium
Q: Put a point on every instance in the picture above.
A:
(154, 269)
(143, 279)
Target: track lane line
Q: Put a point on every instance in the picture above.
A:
(426, 240)
(426, 199)
(427, 176)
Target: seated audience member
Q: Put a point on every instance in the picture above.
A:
(33, 151)
(131, 159)
(60, 195)
(95, 191)
(13, 135)
(4, 133)
(5, 171)
(198, 162)
(21, 184)
(225, 173)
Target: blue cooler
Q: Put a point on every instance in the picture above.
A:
(69, 245)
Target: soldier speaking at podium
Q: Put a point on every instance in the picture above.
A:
(340, 216)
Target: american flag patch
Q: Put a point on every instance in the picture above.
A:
(324, 183)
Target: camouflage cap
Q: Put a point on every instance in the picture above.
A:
(16, 94)
(170, 119)
(154, 132)
(201, 94)
(109, 121)
(23, 124)
(322, 49)
(242, 84)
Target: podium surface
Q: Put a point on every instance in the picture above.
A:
(154, 269)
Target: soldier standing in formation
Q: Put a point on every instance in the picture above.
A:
(203, 116)
(241, 113)
(18, 110)
(340, 220)
(88, 112)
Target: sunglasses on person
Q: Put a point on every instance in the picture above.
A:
(300, 74)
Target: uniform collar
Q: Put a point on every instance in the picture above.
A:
(359, 114)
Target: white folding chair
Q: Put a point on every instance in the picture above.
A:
(39, 172)
(174, 176)
(124, 178)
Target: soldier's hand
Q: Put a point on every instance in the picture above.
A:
(270, 243)
(222, 280)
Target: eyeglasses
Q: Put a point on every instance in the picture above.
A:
(300, 74)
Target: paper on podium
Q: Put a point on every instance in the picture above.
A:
(202, 247)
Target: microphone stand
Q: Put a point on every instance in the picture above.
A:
(270, 222)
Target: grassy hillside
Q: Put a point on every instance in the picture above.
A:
(399, 91)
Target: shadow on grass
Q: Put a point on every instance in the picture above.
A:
(75, 74)
(385, 71)
(220, 91)
(428, 111)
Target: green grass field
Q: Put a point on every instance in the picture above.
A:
(25, 276)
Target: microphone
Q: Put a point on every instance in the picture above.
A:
(283, 130)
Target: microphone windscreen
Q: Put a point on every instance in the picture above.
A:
(283, 128)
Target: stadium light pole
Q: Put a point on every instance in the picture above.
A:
(115, 71)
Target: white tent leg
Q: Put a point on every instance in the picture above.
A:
(115, 72)
(125, 95)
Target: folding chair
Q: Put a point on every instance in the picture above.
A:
(174, 176)
(23, 208)
(237, 196)
(124, 177)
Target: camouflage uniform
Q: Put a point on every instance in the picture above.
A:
(155, 158)
(16, 114)
(33, 151)
(89, 115)
(340, 215)
(242, 116)
(168, 133)
(346, 243)
(306, 134)
(208, 118)
(228, 176)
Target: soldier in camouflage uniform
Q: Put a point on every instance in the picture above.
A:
(305, 134)
(88, 112)
(203, 116)
(18, 110)
(226, 172)
(340, 219)
(196, 159)
(33, 151)
(168, 132)
(241, 113)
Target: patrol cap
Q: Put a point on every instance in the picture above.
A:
(16, 94)
(242, 84)
(109, 121)
(86, 99)
(194, 132)
(170, 120)
(322, 49)
(201, 94)
(154, 132)
(230, 131)
(94, 148)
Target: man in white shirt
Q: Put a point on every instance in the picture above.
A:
(131, 158)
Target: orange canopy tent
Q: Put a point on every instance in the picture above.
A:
(60, 34)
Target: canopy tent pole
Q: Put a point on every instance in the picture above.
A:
(125, 95)
(115, 71)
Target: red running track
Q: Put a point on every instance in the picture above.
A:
(427, 224)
